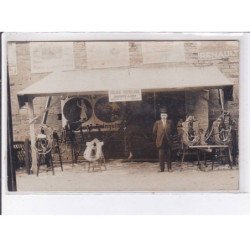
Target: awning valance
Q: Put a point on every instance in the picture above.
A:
(102, 80)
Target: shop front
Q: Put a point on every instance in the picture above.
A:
(125, 125)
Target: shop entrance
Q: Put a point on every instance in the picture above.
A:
(140, 118)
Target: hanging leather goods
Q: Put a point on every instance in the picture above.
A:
(44, 139)
(93, 151)
(190, 135)
(222, 127)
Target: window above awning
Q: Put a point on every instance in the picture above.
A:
(94, 81)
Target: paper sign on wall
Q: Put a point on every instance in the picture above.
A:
(12, 62)
(107, 54)
(161, 52)
(51, 56)
(125, 95)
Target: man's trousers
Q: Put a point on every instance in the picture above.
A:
(165, 154)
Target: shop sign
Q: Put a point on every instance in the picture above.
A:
(125, 95)
(213, 55)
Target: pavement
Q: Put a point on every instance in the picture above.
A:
(130, 177)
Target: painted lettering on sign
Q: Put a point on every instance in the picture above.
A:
(211, 55)
(125, 95)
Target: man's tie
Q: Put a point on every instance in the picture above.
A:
(164, 123)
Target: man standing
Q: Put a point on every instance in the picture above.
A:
(162, 130)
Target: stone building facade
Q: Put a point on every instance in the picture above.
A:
(202, 104)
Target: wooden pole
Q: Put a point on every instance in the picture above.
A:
(11, 166)
(221, 96)
(32, 136)
(45, 114)
(27, 155)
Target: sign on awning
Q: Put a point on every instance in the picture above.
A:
(125, 95)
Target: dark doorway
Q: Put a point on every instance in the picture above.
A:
(141, 117)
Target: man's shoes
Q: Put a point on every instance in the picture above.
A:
(170, 170)
(160, 171)
(130, 156)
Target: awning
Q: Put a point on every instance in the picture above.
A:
(94, 81)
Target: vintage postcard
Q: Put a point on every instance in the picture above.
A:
(123, 115)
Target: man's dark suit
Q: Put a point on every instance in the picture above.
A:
(163, 142)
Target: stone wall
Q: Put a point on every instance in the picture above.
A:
(222, 54)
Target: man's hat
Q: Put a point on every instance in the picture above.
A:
(163, 110)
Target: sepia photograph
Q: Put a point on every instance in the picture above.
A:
(123, 115)
(128, 118)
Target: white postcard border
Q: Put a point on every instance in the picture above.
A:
(134, 203)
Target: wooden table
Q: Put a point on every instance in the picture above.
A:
(203, 148)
